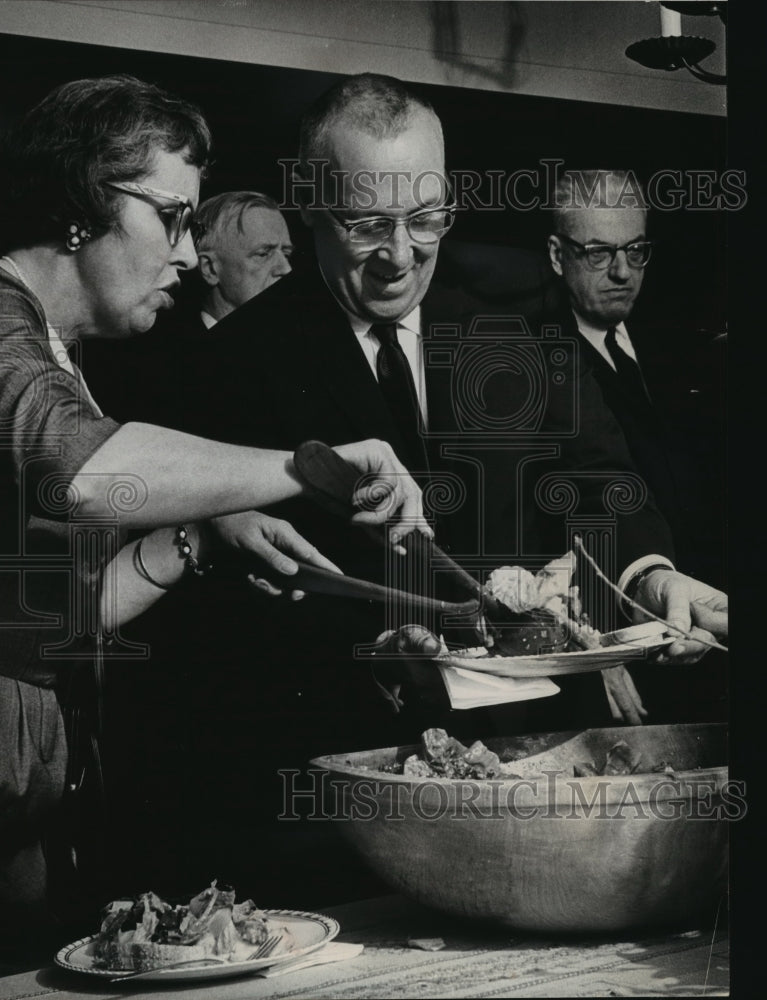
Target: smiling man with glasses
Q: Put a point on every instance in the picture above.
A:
(355, 321)
(385, 209)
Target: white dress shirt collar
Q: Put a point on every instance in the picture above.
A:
(411, 322)
(595, 335)
(410, 339)
(409, 336)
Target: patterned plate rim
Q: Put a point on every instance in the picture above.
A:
(631, 650)
(331, 926)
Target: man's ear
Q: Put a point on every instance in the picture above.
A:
(555, 254)
(206, 262)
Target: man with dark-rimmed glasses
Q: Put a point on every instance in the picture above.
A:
(600, 249)
(598, 245)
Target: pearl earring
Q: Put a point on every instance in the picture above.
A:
(77, 235)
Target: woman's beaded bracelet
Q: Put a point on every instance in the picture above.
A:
(185, 548)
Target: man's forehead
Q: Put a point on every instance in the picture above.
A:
(392, 173)
(261, 216)
(256, 224)
(605, 225)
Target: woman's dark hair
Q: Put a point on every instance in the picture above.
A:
(57, 159)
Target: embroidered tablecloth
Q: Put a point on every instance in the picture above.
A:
(477, 961)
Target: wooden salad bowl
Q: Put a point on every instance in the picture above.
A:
(546, 851)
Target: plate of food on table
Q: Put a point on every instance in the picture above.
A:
(211, 936)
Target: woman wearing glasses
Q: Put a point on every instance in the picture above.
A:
(102, 180)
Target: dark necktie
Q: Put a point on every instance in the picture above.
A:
(395, 380)
(628, 371)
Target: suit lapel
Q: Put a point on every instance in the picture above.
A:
(596, 361)
(337, 362)
(616, 387)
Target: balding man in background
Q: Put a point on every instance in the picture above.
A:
(243, 246)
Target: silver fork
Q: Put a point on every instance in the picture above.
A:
(198, 962)
(267, 947)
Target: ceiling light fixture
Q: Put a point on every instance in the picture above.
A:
(673, 50)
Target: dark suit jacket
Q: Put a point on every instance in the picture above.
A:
(675, 434)
(640, 420)
(286, 367)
